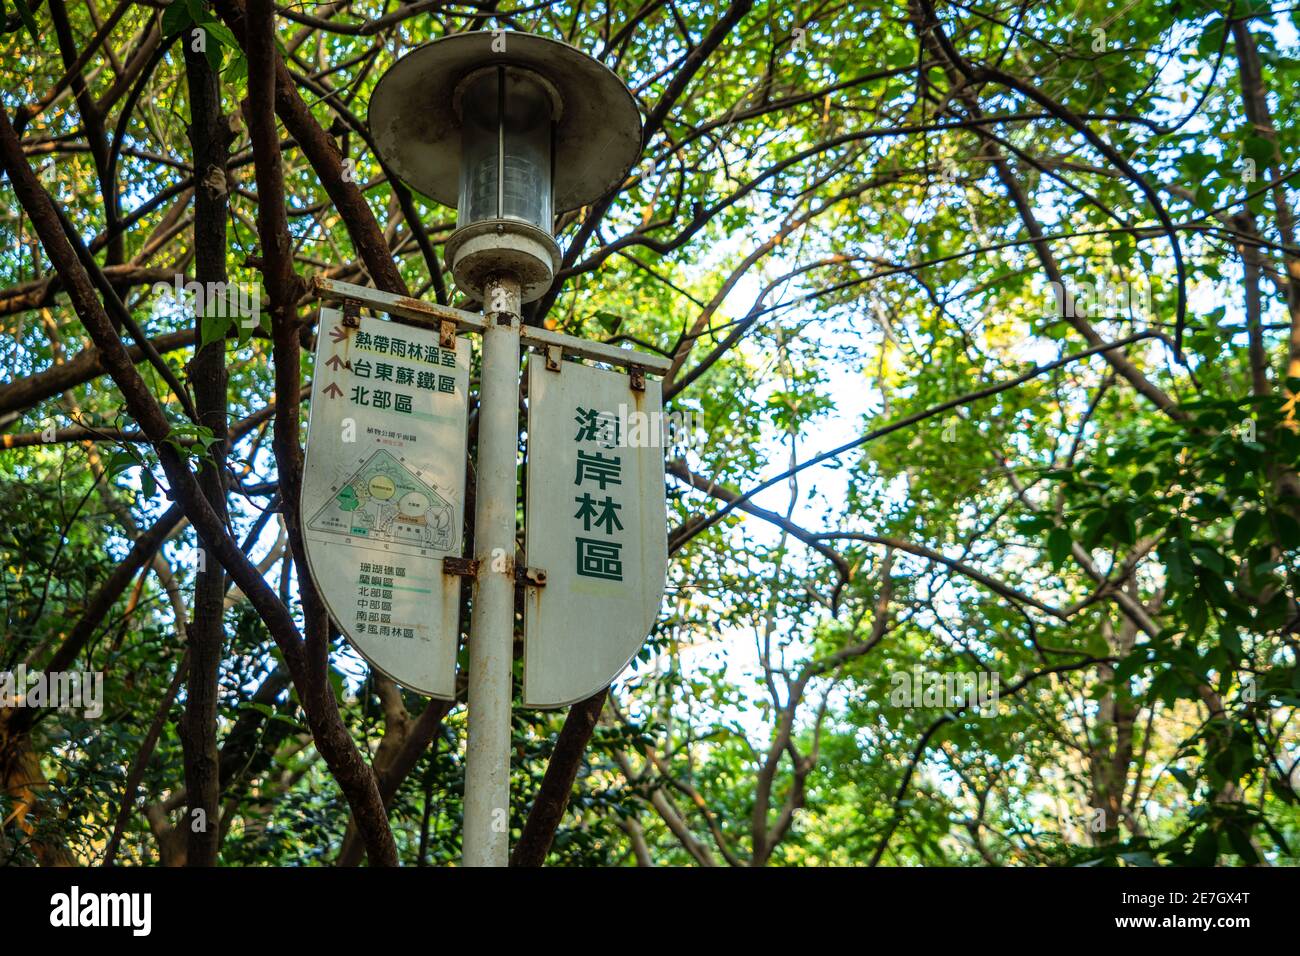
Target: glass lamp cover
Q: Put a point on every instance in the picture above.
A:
(505, 150)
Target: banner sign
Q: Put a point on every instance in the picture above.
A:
(384, 491)
(596, 523)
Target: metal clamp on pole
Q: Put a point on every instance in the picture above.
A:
(351, 314)
(460, 567)
(530, 577)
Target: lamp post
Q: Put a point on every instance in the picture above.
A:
(510, 128)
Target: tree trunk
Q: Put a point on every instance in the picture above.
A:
(209, 139)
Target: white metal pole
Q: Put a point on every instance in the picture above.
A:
(486, 835)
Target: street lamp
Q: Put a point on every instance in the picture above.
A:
(511, 129)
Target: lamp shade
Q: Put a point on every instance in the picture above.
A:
(419, 131)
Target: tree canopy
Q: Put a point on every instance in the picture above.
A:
(984, 548)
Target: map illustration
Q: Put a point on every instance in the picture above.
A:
(385, 502)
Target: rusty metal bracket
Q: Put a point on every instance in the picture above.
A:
(351, 314)
(637, 375)
(532, 577)
(427, 315)
(447, 334)
(554, 355)
(464, 567)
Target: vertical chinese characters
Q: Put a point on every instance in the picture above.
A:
(598, 557)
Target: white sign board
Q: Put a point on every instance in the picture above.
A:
(384, 491)
(596, 523)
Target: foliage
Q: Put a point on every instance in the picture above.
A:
(847, 233)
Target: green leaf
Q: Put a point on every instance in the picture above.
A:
(1094, 526)
(1209, 557)
(336, 682)
(1205, 849)
(148, 485)
(608, 321)
(119, 462)
(212, 53)
(246, 328)
(1122, 525)
(1274, 613)
(1288, 528)
(1239, 840)
(176, 18)
(1248, 525)
(1032, 524)
(1207, 45)
(1178, 564)
(1130, 665)
(1195, 613)
(1059, 545)
(1214, 589)
(220, 32)
(1276, 834)
(214, 327)
(237, 72)
(1259, 149)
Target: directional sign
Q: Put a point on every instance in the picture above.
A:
(384, 490)
(596, 523)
